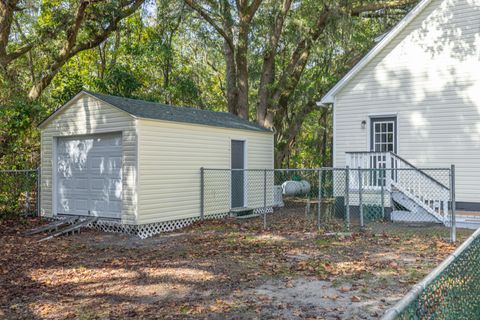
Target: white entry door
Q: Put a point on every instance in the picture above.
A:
(89, 175)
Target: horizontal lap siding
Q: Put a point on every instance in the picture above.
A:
(170, 157)
(87, 115)
(429, 75)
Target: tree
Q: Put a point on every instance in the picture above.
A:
(292, 31)
(53, 32)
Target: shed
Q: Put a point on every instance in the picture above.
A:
(136, 164)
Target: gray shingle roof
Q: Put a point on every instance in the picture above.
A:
(153, 110)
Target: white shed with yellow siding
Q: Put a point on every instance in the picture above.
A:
(135, 163)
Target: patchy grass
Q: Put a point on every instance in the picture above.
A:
(216, 269)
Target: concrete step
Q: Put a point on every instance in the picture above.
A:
(408, 216)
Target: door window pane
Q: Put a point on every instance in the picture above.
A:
(383, 135)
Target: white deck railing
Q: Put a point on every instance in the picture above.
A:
(390, 171)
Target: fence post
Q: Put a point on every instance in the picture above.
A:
(202, 193)
(39, 184)
(265, 199)
(347, 196)
(27, 202)
(319, 204)
(383, 182)
(360, 200)
(452, 198)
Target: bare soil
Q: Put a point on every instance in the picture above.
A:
(216, 269)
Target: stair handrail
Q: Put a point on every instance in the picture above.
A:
(419, 170)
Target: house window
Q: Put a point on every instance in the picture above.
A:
(383, 134)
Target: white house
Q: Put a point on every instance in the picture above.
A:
(136, 164)
(414, 99)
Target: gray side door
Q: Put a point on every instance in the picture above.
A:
(238, 176)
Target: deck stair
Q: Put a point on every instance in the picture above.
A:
(415, 210)
(421, 197)
(71, 229)
(243, 213)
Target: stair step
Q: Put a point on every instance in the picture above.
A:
(408, 216)
(240, 212)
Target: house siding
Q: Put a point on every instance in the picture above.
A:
(88, 115)
(429, 77)
(170, 157)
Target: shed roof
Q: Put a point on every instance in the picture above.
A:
(159, 111)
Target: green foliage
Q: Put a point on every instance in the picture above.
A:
(16, 193)
(165, 53)
(65, 86)
(119, 81)
(19, 137)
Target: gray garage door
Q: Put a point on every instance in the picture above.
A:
(89, 175)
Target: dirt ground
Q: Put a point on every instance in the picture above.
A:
(217, 269)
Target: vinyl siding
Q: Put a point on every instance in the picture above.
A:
(87, 115)
(170, 157)
(429, 76)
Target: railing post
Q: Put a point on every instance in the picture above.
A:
(265, 199)
(202, 193)
(453, 205)
(360, 200)
(347, 197)
(319, 204)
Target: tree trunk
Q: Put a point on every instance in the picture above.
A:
(242, 71)
(294, 127)
(267, 76)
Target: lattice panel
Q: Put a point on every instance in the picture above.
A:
(263, 210)
(146, 230)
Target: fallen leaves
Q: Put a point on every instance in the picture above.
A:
(204, 270)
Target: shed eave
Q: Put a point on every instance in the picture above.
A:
(268, 131)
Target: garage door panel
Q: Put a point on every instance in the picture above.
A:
(115, 165)
(98, 184)
(81, 204)
(80, 183)
(89, 175)
(97, 164)
(99, 206)
(114, 206)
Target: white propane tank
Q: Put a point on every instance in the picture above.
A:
(278, 197)
(305, 187)
(290, 188)
(295, 188)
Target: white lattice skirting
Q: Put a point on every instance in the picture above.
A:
(144, 231)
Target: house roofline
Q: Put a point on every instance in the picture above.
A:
(329, 98)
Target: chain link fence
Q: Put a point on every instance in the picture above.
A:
(451, 291)
(334, 199)
(19, 190)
